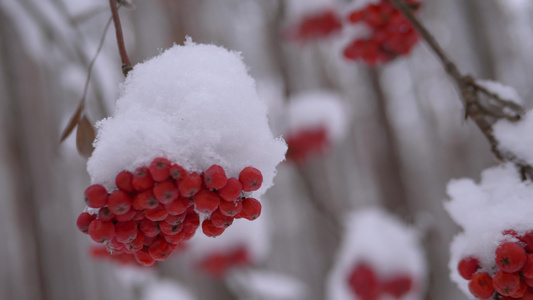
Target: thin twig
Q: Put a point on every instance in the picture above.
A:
(126, 64)
(483, 116)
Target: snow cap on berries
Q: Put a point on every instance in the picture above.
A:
(316, 109)
(382, 242)
(195, 105)
(500, 201)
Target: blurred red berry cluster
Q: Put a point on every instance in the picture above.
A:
(157, 207)
(391, 35)
(306, 142)
(367, 285)
(318, 25)
(219, 262)
(512, 273)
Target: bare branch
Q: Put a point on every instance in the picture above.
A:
(126, 64)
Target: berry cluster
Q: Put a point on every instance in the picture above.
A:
(391, 35)
(366, 284)
(315, 26)
(157, 207)
(514, 276)
(306, 142)
(218, 263)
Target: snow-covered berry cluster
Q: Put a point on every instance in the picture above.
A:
(315, 120)
(391, 34)
(155, 208)
(368, 268)
(367, 285)
(512, 272)
(493, 257)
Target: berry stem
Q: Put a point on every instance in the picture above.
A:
(126, 64)
(481, 112)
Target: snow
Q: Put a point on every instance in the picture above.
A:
(503, 91)
(516, 137)
(360, 4)
(314, 109)
(165, 290)
(195, 105)
(386, 244)
(297, 9)
(267, 285)
(253, 235)
(500, 201)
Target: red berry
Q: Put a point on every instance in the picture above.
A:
(521, 290)
(175, 238)
(527, 269)
(169, 229)
(127, 216)
(160, 249)
(191, 222)
(105, 215)
(398, 285)
(123, 181)
(114, 246)
(251, 179)
(119, 202)
(506, 283)
(149, 228)
(251, 209)
(215, 177)
(177, 172)
(96, 196)
(231, 191)
(101, 231)
(467, 267)
(230, 208)
(139, 215)
(510, 257)
(481, 285)
(175, 219)
(137, 243)
(220, 220)
(160, 169)
(210, 229)
(528, 239)
(142, 180)
(178, 206)
(84, 220)
(206, 201)
(149, 240)
(364, 282)
(145, 200)
(166, 191)
(125, 232)
(189, 184)
(156, 214)
(144, 258)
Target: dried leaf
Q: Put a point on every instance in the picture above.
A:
(85, 136)
(73, 121)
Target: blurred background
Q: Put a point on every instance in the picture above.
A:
(405, 135)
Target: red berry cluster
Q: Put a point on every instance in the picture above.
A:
(514, 276)
(157, 207)
(391, 35)
(218, 263)
(306, 142)
(366, 284)
(316, 26)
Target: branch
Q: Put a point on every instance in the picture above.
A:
(483, 111)
(126, 64)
